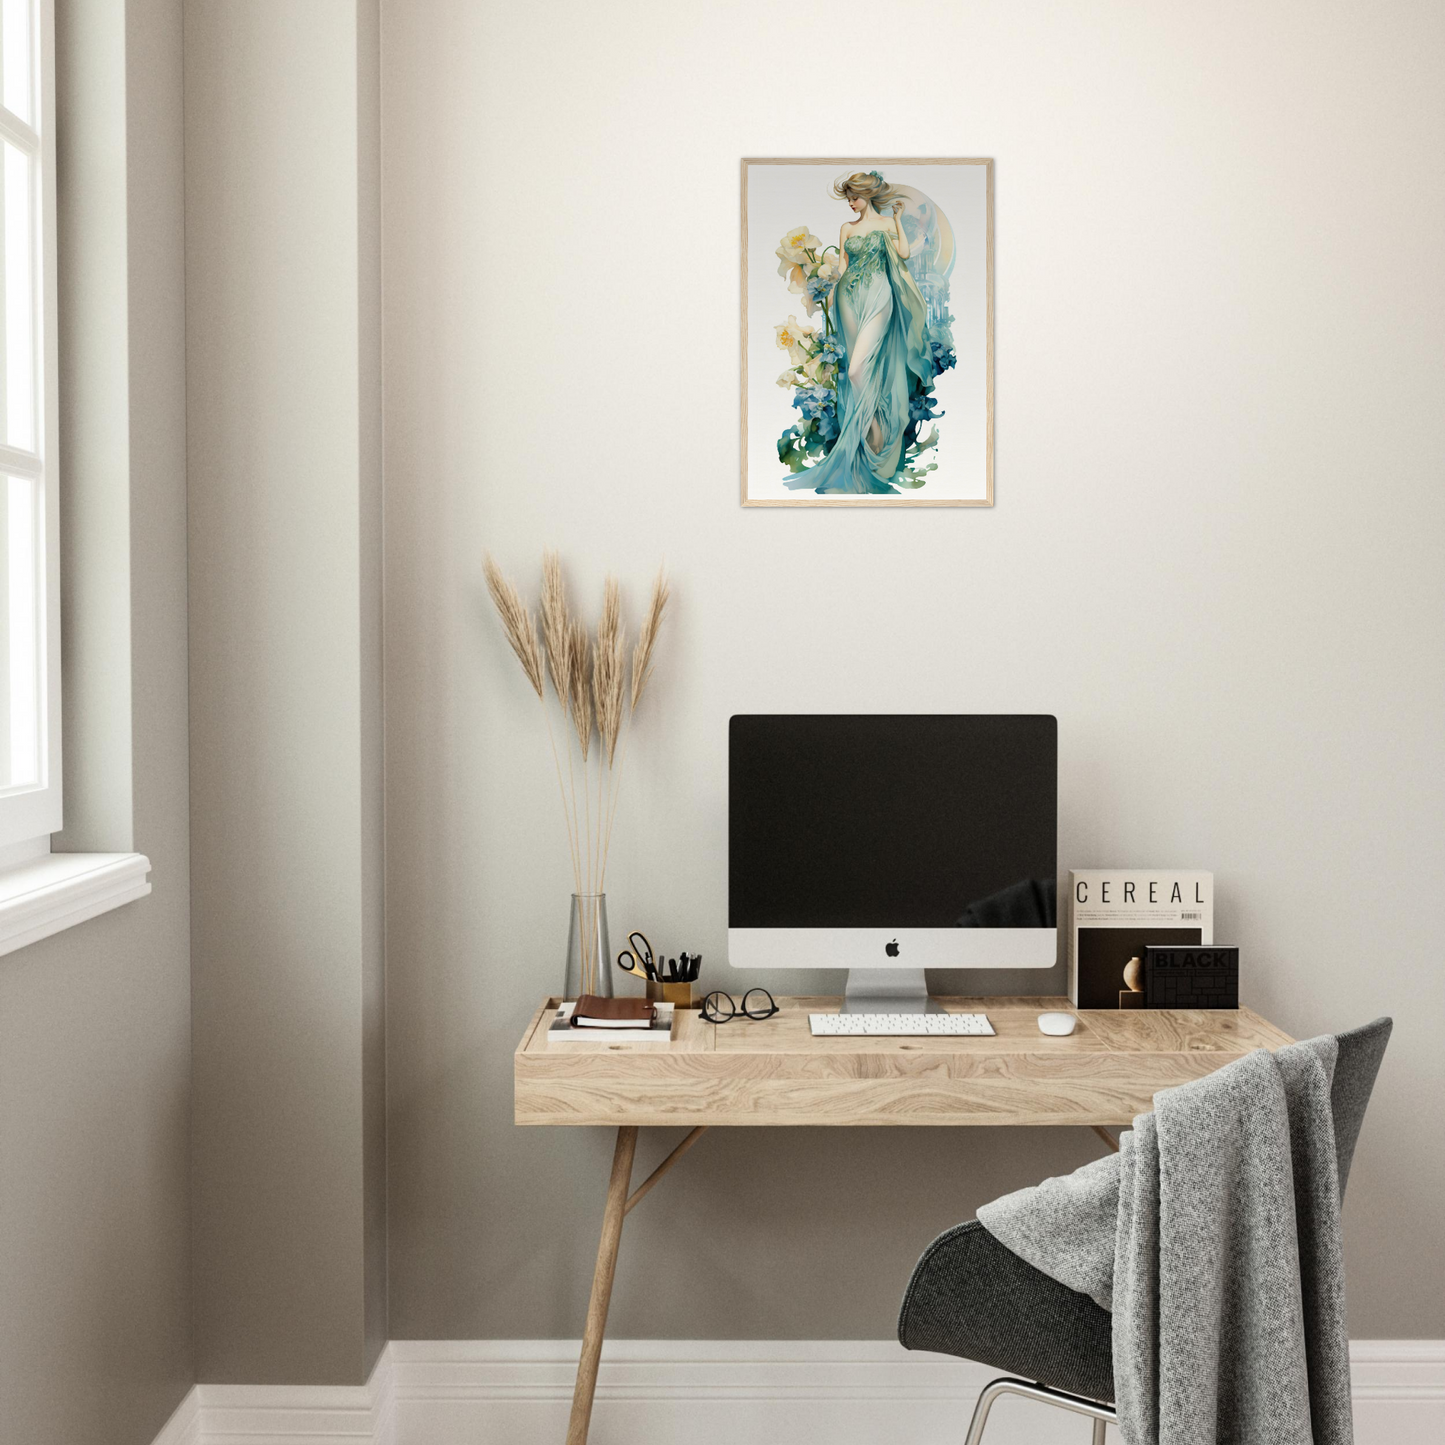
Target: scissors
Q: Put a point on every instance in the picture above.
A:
(637, 958)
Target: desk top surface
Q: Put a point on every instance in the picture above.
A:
(772, 1072)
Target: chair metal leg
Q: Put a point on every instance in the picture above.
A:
(1100, 1414)
(980, 1411)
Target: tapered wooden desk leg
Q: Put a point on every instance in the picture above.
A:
(1106, 1136)
(612, 1217)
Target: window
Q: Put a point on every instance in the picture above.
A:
(41, 892)
(30, 797)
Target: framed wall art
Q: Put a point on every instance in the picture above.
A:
(867, 321)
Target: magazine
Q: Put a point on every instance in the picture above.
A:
(1115, 912)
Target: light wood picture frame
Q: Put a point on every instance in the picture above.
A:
(937, 260)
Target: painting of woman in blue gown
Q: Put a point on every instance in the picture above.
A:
(862, 374)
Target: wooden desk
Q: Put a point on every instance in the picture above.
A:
(773, 1072)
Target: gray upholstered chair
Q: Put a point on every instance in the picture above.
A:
(972, 1297)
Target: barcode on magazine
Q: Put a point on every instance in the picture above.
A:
(1196, 916)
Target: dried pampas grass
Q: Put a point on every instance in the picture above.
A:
(516, 623)
(647, 636)
(579, 685)
(556, 635)
(609, 673)
(589, 681)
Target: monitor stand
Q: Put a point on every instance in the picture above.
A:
(887, 991)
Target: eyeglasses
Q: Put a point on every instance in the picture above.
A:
(719, 1008)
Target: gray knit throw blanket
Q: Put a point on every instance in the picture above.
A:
(1214, 1237)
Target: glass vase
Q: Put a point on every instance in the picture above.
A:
(589, 952)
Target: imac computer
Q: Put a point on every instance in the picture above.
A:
(890, 844)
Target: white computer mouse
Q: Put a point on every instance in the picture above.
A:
(1057, 1023)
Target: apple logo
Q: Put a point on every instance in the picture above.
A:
(891, 949)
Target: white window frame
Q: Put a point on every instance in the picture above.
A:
(29, 815)
(42, 892)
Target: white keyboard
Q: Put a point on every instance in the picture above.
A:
(912, 1026)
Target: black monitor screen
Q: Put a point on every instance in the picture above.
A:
(912, 821)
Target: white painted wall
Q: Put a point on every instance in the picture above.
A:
(1215, 555)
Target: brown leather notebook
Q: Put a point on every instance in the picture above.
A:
(593, 1012)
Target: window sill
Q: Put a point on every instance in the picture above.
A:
(60, 890)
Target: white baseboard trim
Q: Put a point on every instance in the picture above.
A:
(287, 1414)
(713, 1392)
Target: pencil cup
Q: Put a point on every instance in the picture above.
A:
(673, 993)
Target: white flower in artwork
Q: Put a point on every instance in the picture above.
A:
(794, 253)
(826, 269)
(792, 337)
(818, 371)
(789, 379)
(796, 245)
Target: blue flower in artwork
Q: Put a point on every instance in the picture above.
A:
(819, 291)
(830, 350)
(814, 401)
(920, 407)
(819, 405)
(944, 357)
